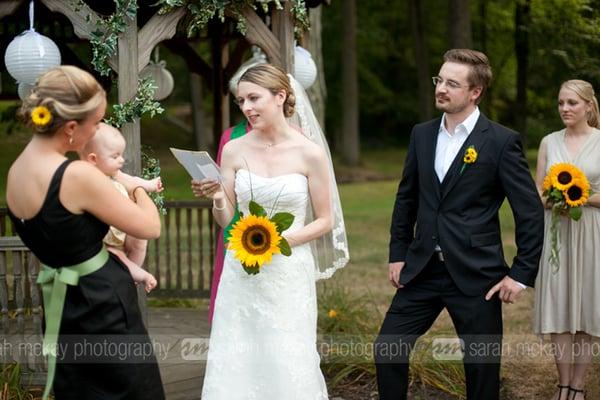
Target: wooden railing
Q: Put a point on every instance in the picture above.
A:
(181, 260)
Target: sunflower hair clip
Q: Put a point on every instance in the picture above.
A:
(41, 116)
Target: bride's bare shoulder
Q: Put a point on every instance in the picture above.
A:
(309, 148)
(235, 144)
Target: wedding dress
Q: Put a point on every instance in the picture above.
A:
(263, 338)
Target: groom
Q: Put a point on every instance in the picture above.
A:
(445, 245)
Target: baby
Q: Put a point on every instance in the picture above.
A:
(105, 151)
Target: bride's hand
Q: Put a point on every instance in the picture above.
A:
(208, 188)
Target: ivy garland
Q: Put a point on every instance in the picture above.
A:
(104, 42)
(151, 170)
(104, 39)
(202, 11)
(142, 103)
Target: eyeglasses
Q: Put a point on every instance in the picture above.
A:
(449, 82)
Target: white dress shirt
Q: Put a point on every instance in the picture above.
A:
(449, 143)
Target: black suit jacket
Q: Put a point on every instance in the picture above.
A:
(461, 213)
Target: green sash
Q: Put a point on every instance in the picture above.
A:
(54, 283)
(238, 131)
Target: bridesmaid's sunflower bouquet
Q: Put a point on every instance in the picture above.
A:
(566, 189)
(256, 237)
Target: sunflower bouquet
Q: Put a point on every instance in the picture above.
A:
(566, 189)
(256, 237)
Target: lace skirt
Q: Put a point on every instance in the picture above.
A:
(263, 338)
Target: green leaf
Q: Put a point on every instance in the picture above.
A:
(256, 209)
(241, 214)
(251, 270)
(284, 247)
(282, 220)
(575, 213)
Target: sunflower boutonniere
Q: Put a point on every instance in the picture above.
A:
(41, 116)
(469, 158)
(256, 237)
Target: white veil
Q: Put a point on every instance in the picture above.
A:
(330, 250)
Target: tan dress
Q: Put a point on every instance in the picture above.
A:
(569, 300)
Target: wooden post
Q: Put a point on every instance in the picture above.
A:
(283, 28)
(317, 93)
(216, 35)
(127, 86)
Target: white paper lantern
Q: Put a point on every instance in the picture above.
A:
(305, 69)
(24, 90)
(29, 55)
(163, 79)
(258, 57)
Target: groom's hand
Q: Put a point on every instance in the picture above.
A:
(394, 273)
(509, 290)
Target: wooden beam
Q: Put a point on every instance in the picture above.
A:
(257, 33)
(12, 243)
(283, 28)
(8, 7)
(83, 18)
(157, 29)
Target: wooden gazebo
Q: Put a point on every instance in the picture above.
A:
(59, 19)
(65, 24)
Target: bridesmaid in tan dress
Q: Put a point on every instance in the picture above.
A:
(567, 301)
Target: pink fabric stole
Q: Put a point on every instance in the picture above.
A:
(220, 248)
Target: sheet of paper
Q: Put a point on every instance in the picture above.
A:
(209, 171)
(198, 164)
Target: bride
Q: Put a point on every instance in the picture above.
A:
(263, 338)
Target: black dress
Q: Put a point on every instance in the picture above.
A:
(104, 351)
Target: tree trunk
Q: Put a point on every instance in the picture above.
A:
(483, 38)
(483, 25)
(522, 23)
(318, 91)
(350, 131)
(459, 24)
(422, 62)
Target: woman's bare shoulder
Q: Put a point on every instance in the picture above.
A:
(81, 175)
(235, 144)
(310, 149)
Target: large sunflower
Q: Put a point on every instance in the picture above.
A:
(578, 193)
(563, 174)
(254, 240)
